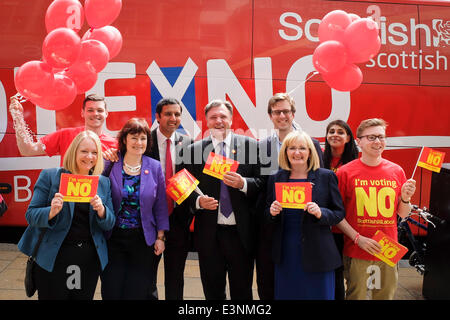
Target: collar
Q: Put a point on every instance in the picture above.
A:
(162, 138)
(102, 134)
(227, 140)
(295, 126)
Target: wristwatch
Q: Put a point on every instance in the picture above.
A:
(162, 238)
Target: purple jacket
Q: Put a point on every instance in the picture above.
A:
(152, 199)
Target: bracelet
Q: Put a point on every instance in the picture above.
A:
(355, 241)
(407, 202)
(162, 238)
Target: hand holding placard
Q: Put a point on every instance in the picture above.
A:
(78, 188)
(391, 251)
(97, 205)
(217, 165)
(181, 186)
(293, 194)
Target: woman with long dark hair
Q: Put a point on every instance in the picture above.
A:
(340, 148)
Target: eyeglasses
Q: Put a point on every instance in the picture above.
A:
(372, 137)
(279, 112)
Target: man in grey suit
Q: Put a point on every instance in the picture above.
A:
(224, 231)
(281, 110)
(167, 147)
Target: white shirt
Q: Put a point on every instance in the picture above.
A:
(221, 219)
(162, 145)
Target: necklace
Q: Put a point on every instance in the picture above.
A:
(132, 169)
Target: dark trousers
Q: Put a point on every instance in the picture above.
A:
(130, 270)
(175, 254)
(339, 293)
(74, 276)
(265, 271)
(229, 255)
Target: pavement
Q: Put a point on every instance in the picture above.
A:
(13, 263)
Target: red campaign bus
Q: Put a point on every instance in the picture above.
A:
(243, 51)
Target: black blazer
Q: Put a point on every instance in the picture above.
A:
(181, 215)
(244, 150)
(318, 246)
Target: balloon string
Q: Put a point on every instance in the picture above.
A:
(303, 82)
(19, 97)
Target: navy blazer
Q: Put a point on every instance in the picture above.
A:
(319, 250)
(268, 157)
(58, 227)
(152, 197)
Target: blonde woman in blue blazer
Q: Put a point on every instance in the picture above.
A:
(73, 250)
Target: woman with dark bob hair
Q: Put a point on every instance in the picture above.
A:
(139, 199)
(340, 148)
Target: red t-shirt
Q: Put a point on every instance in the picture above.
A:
(59, 141)
(335, 164)
(370, 196)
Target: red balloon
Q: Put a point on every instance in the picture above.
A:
(61, 47)
(64, 14)
(329, 57)
(33, 79)
(83, 77)
(353, 16)
(109, 36)
(347, 79)
(333, 25)
(100, 13)
(362, 40)
(94, 54)
(60, 95)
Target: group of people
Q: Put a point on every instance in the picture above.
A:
(323, 251)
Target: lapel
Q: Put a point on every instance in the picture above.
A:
(284, 176)
(72, 208)
(116, 173)
(208, 146)
(312, 179)
(144, 175)
(237, 148)
(56, 181)
(155, 148)
(178, 138)
(270, 143)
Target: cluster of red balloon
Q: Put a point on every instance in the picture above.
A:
(70, 64)
(345, 39)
